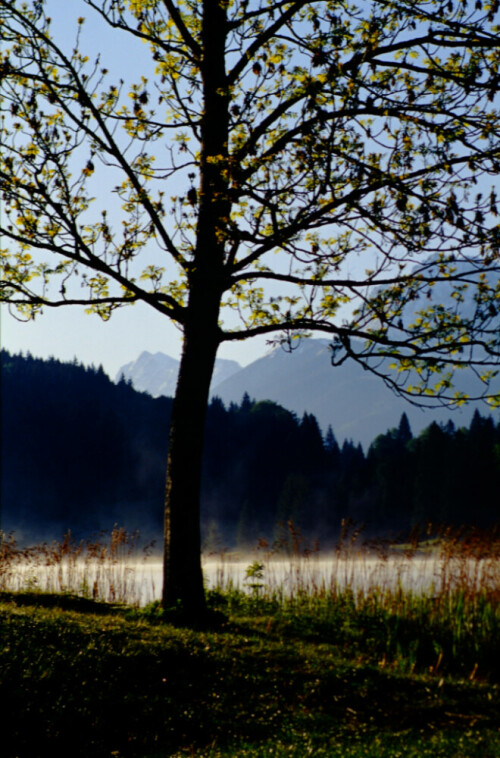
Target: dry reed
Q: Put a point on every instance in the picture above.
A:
(436, 562)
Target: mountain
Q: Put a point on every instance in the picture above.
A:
(355, 403)
(153, 373)
(156, 373)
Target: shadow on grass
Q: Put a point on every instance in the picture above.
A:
(61, 601)
(73, 684)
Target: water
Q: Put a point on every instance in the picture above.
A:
(139, 581)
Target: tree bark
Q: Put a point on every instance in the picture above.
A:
(183, 579)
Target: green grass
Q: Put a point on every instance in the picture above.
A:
(379, 675)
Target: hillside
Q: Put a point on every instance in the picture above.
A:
(82, 453)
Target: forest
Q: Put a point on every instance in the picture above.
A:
(82, 453)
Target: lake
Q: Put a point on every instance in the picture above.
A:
(138, 581)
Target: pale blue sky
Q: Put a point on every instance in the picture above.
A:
(69, 332)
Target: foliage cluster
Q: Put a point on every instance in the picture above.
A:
(80, 453)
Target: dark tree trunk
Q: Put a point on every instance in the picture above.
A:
(183, 580)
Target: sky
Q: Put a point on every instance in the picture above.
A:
(68, 332)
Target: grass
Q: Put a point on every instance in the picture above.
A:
(332, 672)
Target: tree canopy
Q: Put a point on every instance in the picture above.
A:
(318, 130)
(304, 166)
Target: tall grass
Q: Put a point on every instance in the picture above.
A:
(436, 563)
(431, 602)
(108, 566)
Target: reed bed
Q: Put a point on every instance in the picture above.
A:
(428, 604)
(433, 563)
(109, 567)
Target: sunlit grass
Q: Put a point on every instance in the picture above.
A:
(111, 681)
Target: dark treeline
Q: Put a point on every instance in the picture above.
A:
(82, 453)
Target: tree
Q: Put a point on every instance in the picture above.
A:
(306, 166)
(391, 468)
(404, 434)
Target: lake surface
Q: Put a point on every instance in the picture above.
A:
(139, 582)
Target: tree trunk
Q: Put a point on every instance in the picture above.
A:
(183, 580)
(182, 572)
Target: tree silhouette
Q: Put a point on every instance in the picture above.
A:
(306, 166)
(390, 462)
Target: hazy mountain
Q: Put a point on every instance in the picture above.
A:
(156, 373)
(356, 404)
(153, 373)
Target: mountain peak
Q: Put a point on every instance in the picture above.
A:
(156, 373)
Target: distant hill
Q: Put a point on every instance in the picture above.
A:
(355, 403)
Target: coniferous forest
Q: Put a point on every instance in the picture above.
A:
(82, 453)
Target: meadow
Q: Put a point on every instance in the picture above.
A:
(345, 654)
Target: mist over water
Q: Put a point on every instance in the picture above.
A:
(138, 581)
